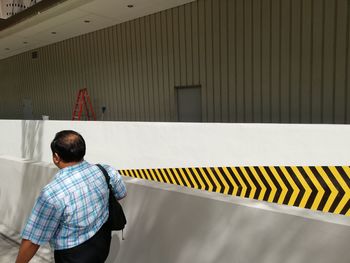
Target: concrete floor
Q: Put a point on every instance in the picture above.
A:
(9, 244)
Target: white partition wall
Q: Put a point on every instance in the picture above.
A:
(168, 223)
(130, 145)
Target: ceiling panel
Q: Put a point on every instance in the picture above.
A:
(55, 21)
(67, 20)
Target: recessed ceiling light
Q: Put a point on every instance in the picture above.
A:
(53, 33)
(87, 21)
(130, 6)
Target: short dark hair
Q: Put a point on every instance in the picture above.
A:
(69, 145)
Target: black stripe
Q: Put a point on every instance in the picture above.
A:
(230, 185)
(289, 187)
(195, 178)
(343, 175)
(239, 191)
(206, 186)
(184, 174)
(136, 174)
(218, 179)
(268, 187)
(346, 208)
(274, 180)
(179, 180)
(336, 184)
(150, 176)
(324, 186)
(210, 179)
(249, 188)
(312, 197)
(162, 175)
(142, 173)
(174, 181)
(255, 182)
(156, 175)
(299, 184)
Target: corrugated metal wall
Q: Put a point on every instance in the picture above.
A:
(256, 61)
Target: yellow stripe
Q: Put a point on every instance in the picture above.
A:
(206, 179)
(182, 175)
(244, 187)
(131, 172)
(229, 176)
(147, 174)
(160, 177)
(308, 191)
(137, 174)
(342, 183)
(253, 187)
(153, 175)
(334, 191)
(271, 184)
(296, 190)
(263, 187)
(347, 171)
(226, 186)
(143, 175)
(195, 185)
(320, 190)
(154, 178)
(218, 186)
(347, 213)
(127, 173)
(283, 186)
(199, 178)
(123, 172)
(167, 179)
(176, 175)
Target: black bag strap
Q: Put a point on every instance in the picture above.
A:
(105, 173)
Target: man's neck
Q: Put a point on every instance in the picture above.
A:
(64, 164)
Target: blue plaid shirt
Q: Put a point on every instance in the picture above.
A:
(73, 207)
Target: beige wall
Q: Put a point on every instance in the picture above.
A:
(256, 61)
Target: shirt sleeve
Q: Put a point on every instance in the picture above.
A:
(116, 181)
(43, 220)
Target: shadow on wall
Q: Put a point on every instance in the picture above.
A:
(35, 177)
(172, 227)
(31, 146)
(21, 183)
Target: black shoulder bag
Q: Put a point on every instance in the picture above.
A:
(116, 219)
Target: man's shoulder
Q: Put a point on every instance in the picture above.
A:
(55, 189)
(110, 169)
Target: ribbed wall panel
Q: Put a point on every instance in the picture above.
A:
(256, 61)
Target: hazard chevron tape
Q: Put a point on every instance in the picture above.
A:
(323, 188)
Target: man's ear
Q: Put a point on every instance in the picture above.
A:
(56, 159)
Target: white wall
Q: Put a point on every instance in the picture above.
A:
(151, 145)
(168, 223)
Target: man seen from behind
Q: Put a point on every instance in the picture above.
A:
(71, 212)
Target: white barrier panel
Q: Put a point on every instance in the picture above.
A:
(167, 223)
(152, 145)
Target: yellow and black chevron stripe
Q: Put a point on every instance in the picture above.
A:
(323, 188)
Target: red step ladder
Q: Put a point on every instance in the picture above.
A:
(83, 102)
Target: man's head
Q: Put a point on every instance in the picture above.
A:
(67, 147)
